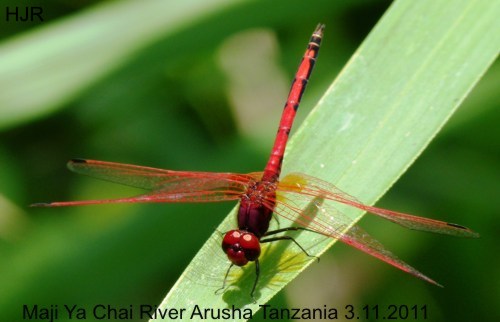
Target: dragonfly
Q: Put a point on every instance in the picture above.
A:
(263, 194)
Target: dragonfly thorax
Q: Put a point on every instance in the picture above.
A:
(241, 247)
(256, 208)
(259, 191)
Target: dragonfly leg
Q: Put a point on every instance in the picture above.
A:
(277, 220)
(257, 274)
(277, 231)
(225, 280)
(268, 240)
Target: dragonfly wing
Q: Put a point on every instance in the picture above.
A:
(169, 197)
(359, 239)
(151, 178)
(330, 222)
(164, 185)
(307, 185)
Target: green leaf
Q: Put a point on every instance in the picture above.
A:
(66, 63)
(399, 88)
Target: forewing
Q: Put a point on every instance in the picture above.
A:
(164, 185)
(151, 178)
(306, 185)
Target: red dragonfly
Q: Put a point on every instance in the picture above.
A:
(262, 194)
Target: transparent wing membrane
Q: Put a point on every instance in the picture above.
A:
(306, 185)
(164, 185)
(328, 221)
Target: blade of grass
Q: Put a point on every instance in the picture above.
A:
(66, 62)
(397, 91)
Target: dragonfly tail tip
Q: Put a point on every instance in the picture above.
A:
(319, 28)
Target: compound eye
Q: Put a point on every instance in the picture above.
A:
(231, 238)
(241, 247)
(250, 245)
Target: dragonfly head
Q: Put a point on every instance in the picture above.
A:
(241, 247)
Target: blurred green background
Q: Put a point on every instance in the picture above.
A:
(200, 86)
